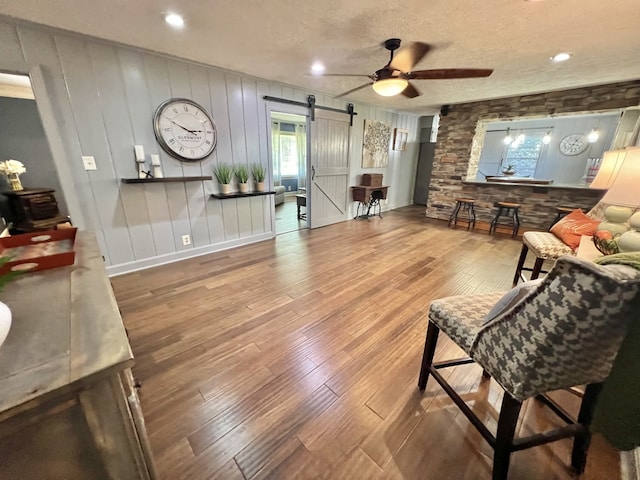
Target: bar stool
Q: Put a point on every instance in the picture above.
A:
(467, 204)
(561, 212)
(506, 209)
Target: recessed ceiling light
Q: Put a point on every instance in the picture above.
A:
(317, 68)
(174, 20)
(561, 57)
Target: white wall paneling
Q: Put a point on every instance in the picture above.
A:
(98, 98)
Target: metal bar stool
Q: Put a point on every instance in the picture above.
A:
(506, 209)
(466, 204)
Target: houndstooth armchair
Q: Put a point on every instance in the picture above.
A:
(546, 246)
(565, 332)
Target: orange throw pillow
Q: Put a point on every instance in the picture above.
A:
(570, 228)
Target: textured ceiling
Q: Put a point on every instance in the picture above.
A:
(279, 39)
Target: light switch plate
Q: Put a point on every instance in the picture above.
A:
(89, 163)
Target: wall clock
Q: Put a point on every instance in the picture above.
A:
(573, 144)
(184, 129)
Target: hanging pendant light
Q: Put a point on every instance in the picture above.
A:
(547, 138)
(593, 136)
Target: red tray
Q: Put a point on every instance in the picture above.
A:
(39, 250)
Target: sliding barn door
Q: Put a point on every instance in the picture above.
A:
(329, 154)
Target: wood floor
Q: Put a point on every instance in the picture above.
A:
(298, 358)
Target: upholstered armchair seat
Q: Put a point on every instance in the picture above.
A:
(546, 245)
(462, 316)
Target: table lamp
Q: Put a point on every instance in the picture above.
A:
(624, 193)
(617, 213)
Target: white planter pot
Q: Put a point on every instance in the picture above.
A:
(5, 322)
(225, 188)
(243, 187)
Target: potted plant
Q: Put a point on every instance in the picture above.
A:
(258, 172)
(510, 170)
(224, 173)
(242, 174)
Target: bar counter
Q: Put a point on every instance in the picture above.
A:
(538, 200)
(532, 183)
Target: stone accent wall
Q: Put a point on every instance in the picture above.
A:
(456, 141)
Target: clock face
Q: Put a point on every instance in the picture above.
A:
(573, 144)
(184, 129)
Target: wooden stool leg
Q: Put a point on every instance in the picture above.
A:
(516, 223)
(454, 215)
(521, 260)
(427, 357)
(537, 267)
(504, 436)
(582, 440)
(473, 217)
(494, 222)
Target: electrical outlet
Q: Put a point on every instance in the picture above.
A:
(186, 239)
(89, 163)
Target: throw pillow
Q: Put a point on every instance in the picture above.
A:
(510, 298)
(573, 226)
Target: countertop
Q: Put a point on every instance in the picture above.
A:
(536, 185)
(66, 330)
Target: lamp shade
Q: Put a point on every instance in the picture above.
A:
(611, 163)
(625, 189)
(389, 87)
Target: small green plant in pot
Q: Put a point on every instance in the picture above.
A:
(510, 170)
(242, 174)
(259, 174)
(224, 173)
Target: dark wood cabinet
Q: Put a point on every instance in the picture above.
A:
(33, 209)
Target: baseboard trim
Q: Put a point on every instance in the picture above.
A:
(129, 267)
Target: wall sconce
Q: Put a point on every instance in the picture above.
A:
(508, 138)
(547, 138)
(593, 136)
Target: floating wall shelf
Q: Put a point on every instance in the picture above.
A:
(166, 179)
(238, 194)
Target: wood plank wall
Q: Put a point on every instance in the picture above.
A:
(103, 96)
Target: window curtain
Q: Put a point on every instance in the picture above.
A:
(275, 152)
(301, 146)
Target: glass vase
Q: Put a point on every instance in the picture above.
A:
(14, 181)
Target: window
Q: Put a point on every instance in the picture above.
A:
(524, 155)
(288, 155)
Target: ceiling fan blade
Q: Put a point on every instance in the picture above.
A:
(411, 92)
(344, 75)
(444, 73)
(354, 90)
(409, 56)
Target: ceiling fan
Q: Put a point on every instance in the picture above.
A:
(394, 77)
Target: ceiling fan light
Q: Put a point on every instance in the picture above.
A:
(390, 86)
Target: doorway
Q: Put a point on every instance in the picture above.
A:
(289, 157)
(22, 138)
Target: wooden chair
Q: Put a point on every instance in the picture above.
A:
(564, 332)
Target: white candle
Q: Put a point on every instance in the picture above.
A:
(155, 160)
(139, 149)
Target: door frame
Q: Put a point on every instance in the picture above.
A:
(52, 132)
(271, 107)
